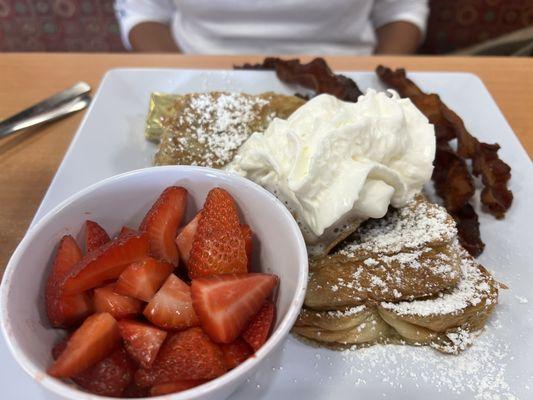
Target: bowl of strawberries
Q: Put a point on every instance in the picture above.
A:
(176, 281)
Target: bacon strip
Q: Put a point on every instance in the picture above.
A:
(315, 75)
(468, 229)
(453, 181)
(454, 184)
(495, 173)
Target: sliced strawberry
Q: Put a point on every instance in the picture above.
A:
(75, 309)
(171, 307)
(142, 279)
(235, 353)
(60, 346)
(119, 306)
(134, 392)
(185, 238)
(173, 387)
(218, 246)
(94, 340)
(162, 222)
(95, 236)
(107, 262)
(260, 326)
(108, 377)
(65, 310)
(126, 230)
(225, 304)
(248, 237)
(185, 355)
(142, 341)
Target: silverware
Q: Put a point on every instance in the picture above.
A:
(70, 100)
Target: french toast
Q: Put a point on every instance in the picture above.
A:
(206, 129)
(406, 255)
(418, 290)
(447, 322)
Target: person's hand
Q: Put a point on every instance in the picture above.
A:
(398, 37)
(152, 37)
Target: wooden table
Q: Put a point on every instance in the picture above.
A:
(29, 159)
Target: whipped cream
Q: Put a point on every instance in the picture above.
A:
(333, 161)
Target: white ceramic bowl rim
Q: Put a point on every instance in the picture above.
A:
(63, 389)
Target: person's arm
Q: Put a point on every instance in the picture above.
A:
(145, 24)
(398, 38)
(152, 37)
(400, 25)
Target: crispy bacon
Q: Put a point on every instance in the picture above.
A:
(315, 75)
(495, 173)
(468, 229)
(453, 181)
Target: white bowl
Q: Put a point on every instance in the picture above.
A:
(123, 200)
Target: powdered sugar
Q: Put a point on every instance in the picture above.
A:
(478, 373)
(224, 122)
(409, 227)
(471, 291)
(346, 313)
(212, 126)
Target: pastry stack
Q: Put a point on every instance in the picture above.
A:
(400, 279)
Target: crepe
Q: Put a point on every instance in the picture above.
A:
(206, 129)
(402, 279)
(406, 255)
(447, 322)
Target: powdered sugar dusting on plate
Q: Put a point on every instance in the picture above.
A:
(477, 373)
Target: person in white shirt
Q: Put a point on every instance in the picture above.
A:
(350, 27)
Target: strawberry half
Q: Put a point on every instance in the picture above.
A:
(218, 246)
(94, 340)
(185, 355)
(235, 353)
(225, 304)
(142, 341)
(178, 386)
(142, 279)
(106, 262)
(119, 306)
(95, 236)
(171, 307)
(108, 377)
(248, 237)
(65, 310)
(185, 238)
(260, 326)
(126, 230)
(162, 222)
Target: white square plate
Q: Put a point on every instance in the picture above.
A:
(499, 365)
